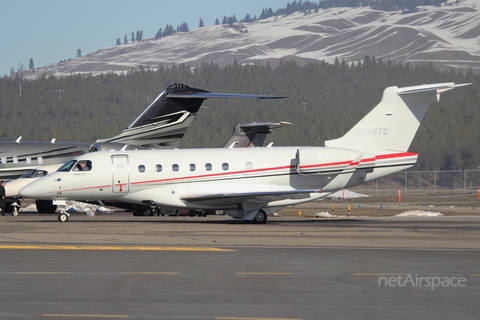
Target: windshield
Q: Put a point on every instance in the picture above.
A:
(67, 166)
(29, 174)
(34, 173)
(81, 165)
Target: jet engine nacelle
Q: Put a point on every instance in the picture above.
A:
(323, 161)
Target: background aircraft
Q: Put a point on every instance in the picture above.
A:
(160, 126)
(249, 183)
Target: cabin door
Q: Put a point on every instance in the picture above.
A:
(121, 176)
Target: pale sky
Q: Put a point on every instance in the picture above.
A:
(52, 30)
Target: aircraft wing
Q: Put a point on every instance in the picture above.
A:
(209, 95)
(232, 198)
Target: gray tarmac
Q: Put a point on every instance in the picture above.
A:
(114, 265)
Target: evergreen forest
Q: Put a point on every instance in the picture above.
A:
(324, 101)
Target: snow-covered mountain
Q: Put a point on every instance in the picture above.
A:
(447, 36)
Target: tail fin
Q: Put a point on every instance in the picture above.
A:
(392, 124)
(166, 120)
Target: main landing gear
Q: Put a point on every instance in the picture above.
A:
(260, 217)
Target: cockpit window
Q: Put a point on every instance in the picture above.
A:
(67, 166)
(83, 165)
(34, 173)
(40, 173)
(29, 174)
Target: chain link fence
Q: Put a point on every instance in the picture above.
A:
(460, 181)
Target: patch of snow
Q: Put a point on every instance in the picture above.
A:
(347, 194)
(329, 215)
(324, 215)
(419, 213)
(74, 206)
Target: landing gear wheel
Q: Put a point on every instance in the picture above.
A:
(260, 217)
(16, 207)
(144, 211)
(12, 207)
(63, 217)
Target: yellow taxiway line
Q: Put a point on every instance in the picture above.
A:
(237, 318)
(85, 315)
(262, 273)
(111, 248)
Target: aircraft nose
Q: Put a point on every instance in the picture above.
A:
(31, 190)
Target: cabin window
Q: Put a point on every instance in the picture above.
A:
(15, 160)
(248, 165)
(4, 160)
(175, 167)
(225, 166)
(192, 167)
(141, 168)
(208, 166)
(158, 168)
(40, 160)
(29, 160)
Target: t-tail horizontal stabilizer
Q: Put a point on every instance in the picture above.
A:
(391, 126)
(251, 134)
(165, 121)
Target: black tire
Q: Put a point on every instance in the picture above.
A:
(144, 211)
(45, 206)
(63, 217)
(260, 217)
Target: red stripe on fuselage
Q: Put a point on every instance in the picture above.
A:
(249, 171)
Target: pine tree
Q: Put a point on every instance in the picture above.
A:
(201, 24)
(159, 34)
(125, 39)
(118, 42)
(247, 18)
(31, 65)
(79, 53)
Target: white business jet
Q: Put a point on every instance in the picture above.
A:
(250, 183)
